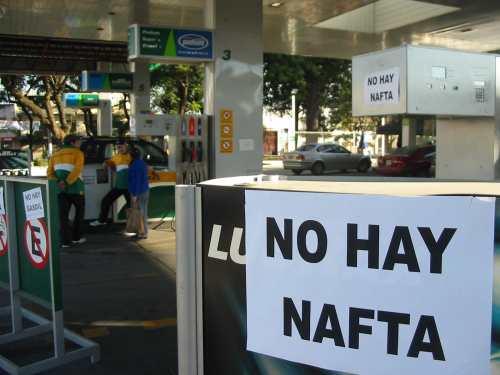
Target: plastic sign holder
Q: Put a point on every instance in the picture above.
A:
(30, 269)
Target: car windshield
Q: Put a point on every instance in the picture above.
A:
(306, 148)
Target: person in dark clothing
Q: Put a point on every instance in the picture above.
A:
(138, 186)
(66, 167)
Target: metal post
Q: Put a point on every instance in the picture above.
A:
(186, 279)
(15, 299)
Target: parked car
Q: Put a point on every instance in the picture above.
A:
(407, 161)
(321, 158)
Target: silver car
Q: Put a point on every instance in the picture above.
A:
(326, 157)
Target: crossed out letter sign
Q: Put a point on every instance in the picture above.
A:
(36, 242)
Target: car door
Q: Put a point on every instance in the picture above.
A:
(331, 157)
(348, 160)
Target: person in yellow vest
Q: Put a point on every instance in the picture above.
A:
(119, 164)
(66, 167)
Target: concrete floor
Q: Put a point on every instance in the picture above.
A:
(121, 294)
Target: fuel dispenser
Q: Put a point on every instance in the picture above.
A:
(187, 139)
(458, 88)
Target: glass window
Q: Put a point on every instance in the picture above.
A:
(324, 148)
(151, 154)
(93, 151)
(306, 148)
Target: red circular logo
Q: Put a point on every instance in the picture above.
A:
(36, 242)
(4, 236)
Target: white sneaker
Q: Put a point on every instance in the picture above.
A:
(80, 241)
(96, 223)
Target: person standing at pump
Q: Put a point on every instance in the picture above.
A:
(138, 186)
(66, 167)
(119, 163)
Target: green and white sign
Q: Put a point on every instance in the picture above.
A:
(80, 100)
(107, 82)
(169, 44)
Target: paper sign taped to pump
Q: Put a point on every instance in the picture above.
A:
(382, 87)
(33, 204)
(373, 285)
(2, 202)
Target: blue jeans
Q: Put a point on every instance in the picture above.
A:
(143, 200)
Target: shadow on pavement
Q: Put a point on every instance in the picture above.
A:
(121, 294)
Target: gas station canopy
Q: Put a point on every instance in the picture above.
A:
(340, 28)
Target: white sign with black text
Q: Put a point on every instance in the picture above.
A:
(382, 87)
(370, 284)
(33, 204)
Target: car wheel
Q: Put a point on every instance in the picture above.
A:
(364, 165)
(318, 168)
(297, 171)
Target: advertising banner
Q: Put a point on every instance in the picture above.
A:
(386, 314)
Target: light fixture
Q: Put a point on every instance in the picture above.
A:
(276, 4)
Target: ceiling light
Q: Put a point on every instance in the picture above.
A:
(276, 4)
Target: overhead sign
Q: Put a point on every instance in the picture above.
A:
(4, 233)
(370, 284)
(169, 44)
(382, 87)
(107, 82)
(33, 204)
(81, 100)
(36, 243)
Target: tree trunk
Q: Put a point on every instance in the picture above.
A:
(182, 91)
(312, 105)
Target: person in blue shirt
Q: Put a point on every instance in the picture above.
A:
(138, 187)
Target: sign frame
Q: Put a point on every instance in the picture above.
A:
(134, 45)
(15, 211)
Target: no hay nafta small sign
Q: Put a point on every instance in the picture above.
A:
(162, 44)
(370, 284)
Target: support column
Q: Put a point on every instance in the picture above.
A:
(105, 117)
(141, 95)
(234, 81)
(409, 132)
(467, 148)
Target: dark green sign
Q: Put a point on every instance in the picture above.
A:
(38, 246)
(107, 82)
(169, 44)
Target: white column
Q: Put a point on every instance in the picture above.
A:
(105, 117)
(140, 96)
(467, 149)
(234, 81)
(409, 133)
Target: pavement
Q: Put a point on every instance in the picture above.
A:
(121, 294)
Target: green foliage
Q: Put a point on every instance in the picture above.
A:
(177, 89)
(321, 84)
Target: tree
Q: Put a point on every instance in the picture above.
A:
(40, 97)
(177, 88)
(320, 84)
